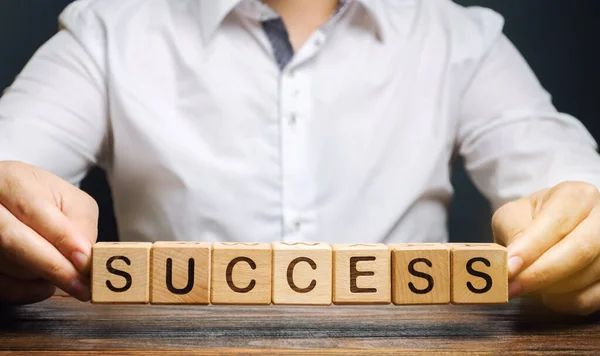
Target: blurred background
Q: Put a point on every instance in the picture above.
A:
(559, 38)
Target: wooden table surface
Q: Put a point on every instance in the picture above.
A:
(73, 328)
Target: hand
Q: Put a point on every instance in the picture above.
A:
(553, 241)
(47, 228)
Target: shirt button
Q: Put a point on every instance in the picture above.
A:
(293, 118)
(297, 225)
(295, 92)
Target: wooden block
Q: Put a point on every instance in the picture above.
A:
(302, 273)
(120, 272)
(479, 274)
(180, 273)
(241, 273)
(361, 274)
(420, 273)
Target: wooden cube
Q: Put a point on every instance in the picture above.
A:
(420, 273)
(302, 273)
(120, 272)
(241, 273)
(361, 274)
(180, 273)
(479, 274)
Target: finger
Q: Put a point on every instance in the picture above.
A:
(575, 252)
(565, 206)
(508, 223)
(583, 302)
(24, 292)
(55, 209)
(45, 218)
(511, 219)
(576, 281)
(25, 247)
(11, 269)
(82, 212)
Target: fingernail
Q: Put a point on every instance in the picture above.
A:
(80, 290)
(80, 261)
(515, 289)
(515, 264)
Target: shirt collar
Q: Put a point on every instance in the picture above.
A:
(212, 14)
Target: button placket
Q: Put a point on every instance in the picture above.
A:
(292, 119)
(298, 186)
(293, 150)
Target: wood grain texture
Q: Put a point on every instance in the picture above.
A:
(180, 273)
(420, 274)
(361, 274)
(121, 272)
(69, 327)
(241, 273)
(302, 273)
(479, 274)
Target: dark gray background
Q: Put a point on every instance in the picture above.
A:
(558, 38)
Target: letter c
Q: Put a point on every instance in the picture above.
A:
(229, 278)
(290, 275)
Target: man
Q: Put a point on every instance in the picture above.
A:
(290, 120)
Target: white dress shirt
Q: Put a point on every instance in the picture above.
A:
(204, 138)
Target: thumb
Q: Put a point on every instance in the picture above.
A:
(79, 226)
(80, 209)
(509, 222)
(59, 212)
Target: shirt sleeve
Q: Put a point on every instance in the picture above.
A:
(55, 113)
(513, 140)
